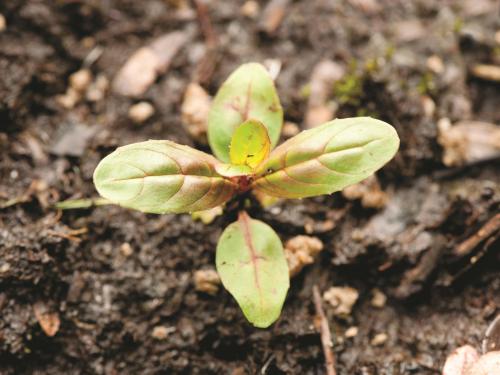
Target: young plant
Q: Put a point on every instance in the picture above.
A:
(244, 124)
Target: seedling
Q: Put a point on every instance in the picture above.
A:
(244, 124)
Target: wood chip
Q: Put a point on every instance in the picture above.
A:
(143, 67)
(491, 340)
(379, 339)
(3, 23)
(48, 320)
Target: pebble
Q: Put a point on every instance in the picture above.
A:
(195, 108)
(290, 129)
(4, 268)
(435, 64)
(379, 339)
(342, 299)
(80, 80)
(301, 251)
(351, 332)
(126, 249)
(140, 112)
(379, 299)
(162, 332)
(250, 9)
(207, 281)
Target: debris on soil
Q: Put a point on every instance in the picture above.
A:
(162, 332)
(368, 191)
(435, 64)
(290, 129)
(208, 216)
(342, 299)
(3, 23)
(324, 328)
(273, 15)
(195, 109)
(323, 77)
(74, 140)
(301, 251)
(468, 142)
(143, 67)
(487, 230)
(207, 281)
(141, 112)
(126, 250)
(351, 332)
(487, 72)
(379, 299)
(460, 360)
(48, 320)
(273, 66)
(250, 9)
(80, 80)
(97, 89)
(491, 340)
(379, 339)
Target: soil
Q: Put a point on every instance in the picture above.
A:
(115, 288)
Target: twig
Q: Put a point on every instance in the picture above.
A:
(486, 231)
(207, 64)
(326, 338)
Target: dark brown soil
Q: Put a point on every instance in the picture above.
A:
(108, 300)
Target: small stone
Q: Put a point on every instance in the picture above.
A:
(351, 332)
(290, 129)
(162, 332)
(250, 9)
(126, 249)
(4, 268)
(273, 66)
(486, 72)
(379, 299)
(141, 112)
(369, 191)
(435, 64)
(379, 339)
(69, 99)
(80, 80)
(301, 251)
(428, 106)
(97, 90)
(488, 364)
(48, 320)
(207, 281)
(342, 299)
(3, 23)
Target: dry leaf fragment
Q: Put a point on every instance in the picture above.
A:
(48, 320)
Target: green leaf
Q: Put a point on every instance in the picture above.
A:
(250, 144)
(327, 158)
(252, 266)
(248, 93)
(161, 176)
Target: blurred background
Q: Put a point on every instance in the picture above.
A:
(407, 262)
